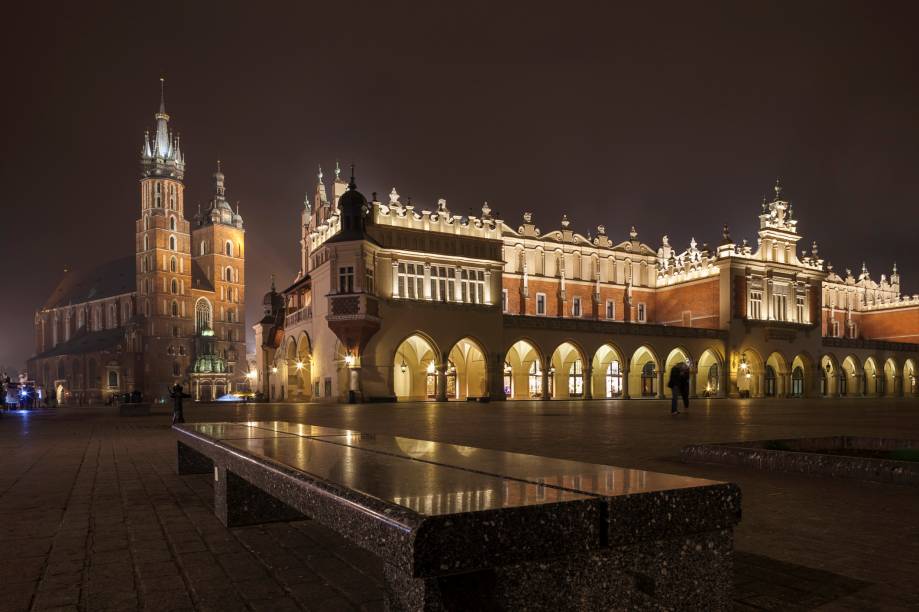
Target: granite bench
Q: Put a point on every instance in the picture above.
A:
(463, 528)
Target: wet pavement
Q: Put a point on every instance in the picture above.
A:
(93, 516)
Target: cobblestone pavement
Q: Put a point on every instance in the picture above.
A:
(93, 516)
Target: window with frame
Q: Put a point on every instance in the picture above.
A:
(504, 300)
(174, 286)
(173, 265)
(610, 309)
(780, 306)
(575, 306)
(576, 379)
(411, 281)
(346, 279)
(642, 313)
(799, 307)
(756, 305)
(368, 279)
(175, 308)
(472, 284)
(540, 303)
(443, 280)
(835, 328)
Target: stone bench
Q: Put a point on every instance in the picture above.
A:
(459, 527)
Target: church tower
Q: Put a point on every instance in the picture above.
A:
(218, 259)
(163, 259)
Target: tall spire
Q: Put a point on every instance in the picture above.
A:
(161, 154)
(162, 95)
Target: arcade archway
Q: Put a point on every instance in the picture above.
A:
(523, 375)
(890, 378)
(750, 374)
(775, 376)
(910, 384)
(607, 372)
(873, 380)
(567, 372)
(829, 374)
(644, 373)
(708, 375)
(469, 371)
(415, 369)
(851, 378)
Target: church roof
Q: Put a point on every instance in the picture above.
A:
(87, 343)
(199, 279)
(109, 279)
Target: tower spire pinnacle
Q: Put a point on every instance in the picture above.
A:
(162, 95)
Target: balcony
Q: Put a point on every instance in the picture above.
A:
(304, 314)
(353, 306)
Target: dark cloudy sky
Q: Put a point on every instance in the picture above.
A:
(674, 117)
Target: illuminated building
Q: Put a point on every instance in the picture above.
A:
(396, 301)
(173, 312)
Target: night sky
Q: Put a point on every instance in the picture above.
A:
(676, 118)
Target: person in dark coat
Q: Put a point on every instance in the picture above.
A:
(679, 386)
(177, 396)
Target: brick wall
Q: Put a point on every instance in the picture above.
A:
(740, 296)
(694, 304)
(898, 325)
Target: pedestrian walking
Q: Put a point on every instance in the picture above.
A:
(679, 386)
(177, 396)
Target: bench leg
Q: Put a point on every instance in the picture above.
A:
(237, 503)
(190, 461)
(693, 572)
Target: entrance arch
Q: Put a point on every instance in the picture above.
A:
(750, 374)
(470, 371)
(523, 375)
(801, 376)
(871, 377)
(890, 378)
(415, 369)
(606, 372)
(644, 373)
(708, 374)
(567, 372)
(910, 384)
(829, 373)
(302, 368)
(677, 355)
(851, 377)
(775, 376)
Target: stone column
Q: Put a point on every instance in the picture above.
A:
(588, 382)
(395, 278)
(692, 382)
(625, 380)
(660, 383)
(545, 383)
(442, 381)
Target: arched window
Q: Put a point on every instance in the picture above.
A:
(172, 223)
(176, 368)
(143, 264)
(175, 308)
(173, 265)
(713, 385)
(146, 242)
(228, 274)
(648, 376)
(157, 195)
(613, 379)
(147, 307)
(172, 197)
(203, 247)
(797, 382)
(146, 222)
(113, 379)
(228, 249)
(174, 286)
(172, 243)
(535, 379)
(770, 381)
(202, 315)
(576, 379)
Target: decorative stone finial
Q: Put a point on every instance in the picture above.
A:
(442, 205)
(778, 190)
(486, 211)
(527, 217)
(319, 176)
(829, 266)
(601, 230)
(633, 233)
(665, 240)
(894, 267)
(393, 197)
(726, 233)
(337, 171)
(692, 243)
(814, 249)
(565, 221)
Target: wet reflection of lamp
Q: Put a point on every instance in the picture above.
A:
(403, 367)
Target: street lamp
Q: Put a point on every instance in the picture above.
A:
(403, 367)
(349, 360)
